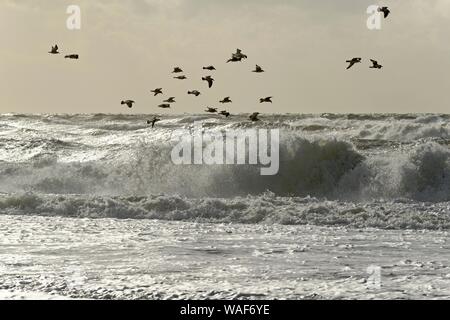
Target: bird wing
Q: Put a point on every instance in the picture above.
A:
(351, 64)
(210, 82)
(386, 13)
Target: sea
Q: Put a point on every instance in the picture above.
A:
(93, 207)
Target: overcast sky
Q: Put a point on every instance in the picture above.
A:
(128, 47)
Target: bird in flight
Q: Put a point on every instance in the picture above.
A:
(254, 116)
(224, 113)
(266, 99)
(375, 65)
(210, 68)
(258, 69)
(164, 106)
(129, 103)
(71, 56)
(54, 50)
(170, 100)
(153, 121)
(194, 92)
(181, 77)
(385, 11)
(226, 100)
(353, 61)
(211, 110)
(238, 56)
(157, 91)
(208, 79)
(177, 70)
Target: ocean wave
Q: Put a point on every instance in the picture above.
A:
(330, 169)
(266, 208)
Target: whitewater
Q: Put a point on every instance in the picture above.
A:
(93, 207)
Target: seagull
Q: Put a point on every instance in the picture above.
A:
(226, 100)
(164, 106)
(258, 69)
(71, 56)
(353, 61)
(129, 103)
(254, 116)
(157, 91)
(375, 65)
(211, 110)
(210, 68)
(170, 100)
(224, 113)
(177, 70)
(266, 99)
(180, 77)
(153, 121)
(209, 80)
(385, 10)
(54, 50)
(194, 92)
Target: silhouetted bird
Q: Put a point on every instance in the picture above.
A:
(353, 61)
(153, 121)
(177, 70)
(266, 99)
(194, 92)
(385, 11)
(164, 106)
(210, 68)
(226, 100)
(238, 56)
(254, 116)
(181, 77)
(71, 56)
(258, 69)
(170, 100)
(211, 110)
(375, 65)
(54, 49)
(157, 91)
(209, 80)
(225, 113)
(129, 103)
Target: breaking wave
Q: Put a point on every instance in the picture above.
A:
(331, 171)
(265, 208)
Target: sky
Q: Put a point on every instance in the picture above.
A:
(129, 47)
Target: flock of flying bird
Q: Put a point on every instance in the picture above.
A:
(235, 57)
